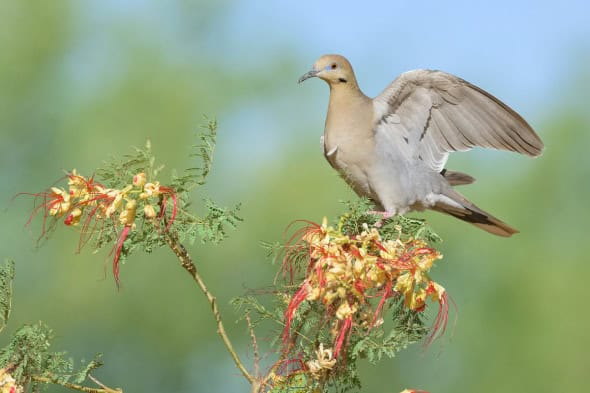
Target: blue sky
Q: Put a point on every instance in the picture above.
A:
(523, 52)
(520, 48)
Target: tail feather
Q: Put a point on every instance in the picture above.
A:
(457, 178)
(468, 212)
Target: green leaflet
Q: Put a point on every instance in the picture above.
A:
(29, 351)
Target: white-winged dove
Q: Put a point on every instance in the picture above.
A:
(393, 148)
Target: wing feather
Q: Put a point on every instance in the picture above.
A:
(437, 113)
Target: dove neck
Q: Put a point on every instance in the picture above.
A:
(344, 98)
(347, 86)
(349, 115)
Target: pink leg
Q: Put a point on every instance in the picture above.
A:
(384, 216)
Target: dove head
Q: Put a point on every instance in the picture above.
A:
(334, 69)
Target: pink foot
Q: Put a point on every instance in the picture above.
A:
(384, 216)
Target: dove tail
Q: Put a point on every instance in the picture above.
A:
(472, 214)
(457, 178)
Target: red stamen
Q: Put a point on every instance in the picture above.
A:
(320, 274)
(85, 233)
(386, 295)
(163, 207)
(69, 219)
(355, 252)
(293, 245)
(380, 246)
(440, 324)
(290, 366)
(403, 262)
(174, 210)
(343, 334)
(48, 201)
(297, 299)
(118, 250)
(101, 197)
(359, 286)
(424, 251)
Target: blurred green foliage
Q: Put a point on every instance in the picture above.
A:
(81, 81)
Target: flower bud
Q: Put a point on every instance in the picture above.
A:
(74, 217)
(114, 206)
(149, 211)
(139, 179)
(127, 216)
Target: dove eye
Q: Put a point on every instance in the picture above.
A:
(334, 66)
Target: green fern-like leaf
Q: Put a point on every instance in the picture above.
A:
(28, 355)
(6, 277)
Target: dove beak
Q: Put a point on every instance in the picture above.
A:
(310, 74)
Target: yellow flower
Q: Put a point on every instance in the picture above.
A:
(60, 203)
(338, 269)
(358, 266)
(377, 276)
(405, 283)
(391, 249)
(150, 189)
(425, 264)
(77, 184)
(420, 276)
(345, 310)
(314, 294)
(416, 300)
(435, 291)
(323, 363)
(329, 297)
(118, 196)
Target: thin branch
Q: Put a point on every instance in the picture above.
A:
(257, 387)
(73, 386)
(254, 346)
(96, 381)
(187, 264)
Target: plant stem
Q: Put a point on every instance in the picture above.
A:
(254, 346)
(187, 263)
(74, 386)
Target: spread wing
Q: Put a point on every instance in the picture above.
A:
(432, 113)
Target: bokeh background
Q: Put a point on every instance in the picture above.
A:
(81, 81)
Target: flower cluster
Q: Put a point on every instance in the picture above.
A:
(89, 205)
(353, 275)
(323, 362)
(8, 383)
